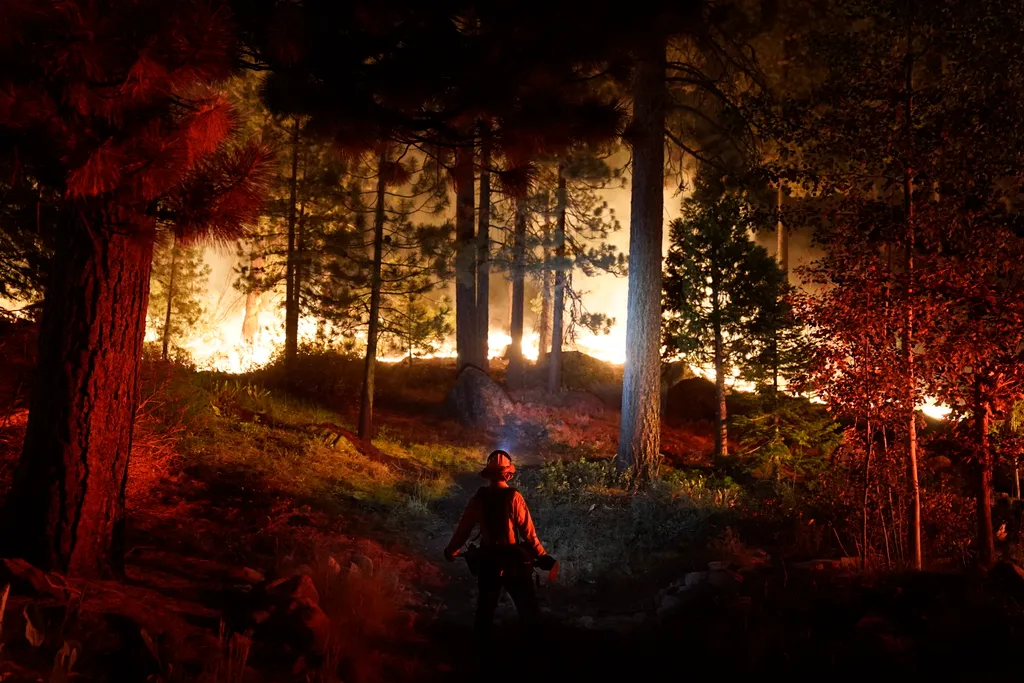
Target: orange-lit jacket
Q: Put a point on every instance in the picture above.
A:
(519, 521)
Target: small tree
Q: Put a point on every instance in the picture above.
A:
(176, 287)
(715, 279)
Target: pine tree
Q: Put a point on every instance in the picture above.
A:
(716, 281)
(176, 289)
(107, 107)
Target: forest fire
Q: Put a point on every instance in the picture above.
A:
(735, 287)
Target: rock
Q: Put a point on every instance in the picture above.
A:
(364, 563)
(245, 575)
(691, 400)
(478, 401)
(586, 622)
(668, 603)
(717, 566)
(724, 579)
(694, 579)
(301, 625)
(299, 587)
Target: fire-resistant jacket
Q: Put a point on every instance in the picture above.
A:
(519, 521)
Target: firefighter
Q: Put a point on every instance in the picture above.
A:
(509, 547)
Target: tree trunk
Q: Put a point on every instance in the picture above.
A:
(1016, 477)
(908, 330)
(781, 236)
(864, 503)
(986, 539)
(547, 285)
(558, 308)
(483, 275)
(466, 330)
(291, 297)
(516, 362)
(65, 508)
(640, 428)
(370, 361)
(721, 413)
(170, 297)
(253, 302)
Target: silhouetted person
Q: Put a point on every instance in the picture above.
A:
(509, 547)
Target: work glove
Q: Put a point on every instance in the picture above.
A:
(545, 562)
(450, 553)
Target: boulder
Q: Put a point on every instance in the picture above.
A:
(283, 591)
(691, 400)
(478, 401)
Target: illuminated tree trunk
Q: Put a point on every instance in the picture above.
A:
(908, 335)
(373, 327)
(483, 275)
(291, 297)
(986, 538)
(466, 330)
(558, 312)
(781, 236)
(65, 508)
(640, 429)
(253, 301)
(516, 363)
(170, 297)
(547, 284)
(864, 503)
(721, 412)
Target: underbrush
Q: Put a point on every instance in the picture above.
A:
(598, 529)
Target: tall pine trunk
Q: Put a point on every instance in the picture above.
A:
(373, 327)
(516, 362)
(986, 538)
(908, 328)
(640, 428)
(65, 508)
(483, 274)
(253, 301)
(558, 306)
(781, 236)
(864, 502)
(170, 297)
(466, 330)
(721, 411)
(291, 297)
(547, 284)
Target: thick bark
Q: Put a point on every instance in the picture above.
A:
(291, 298)
(170, 297)
(373, 327)
(466, 330)
(516, 362)
(640, 428)
(558, 307)
(65, 509)
(986, 538)
(483, 273)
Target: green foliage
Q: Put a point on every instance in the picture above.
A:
(179, 274)
(784, 434)
(720, 286)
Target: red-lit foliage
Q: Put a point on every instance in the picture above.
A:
(108, 109)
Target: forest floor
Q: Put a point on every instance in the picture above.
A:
(234, 484)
